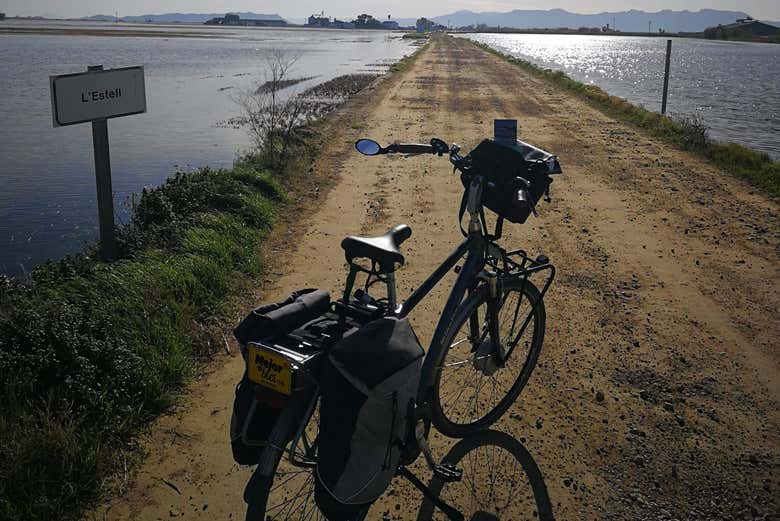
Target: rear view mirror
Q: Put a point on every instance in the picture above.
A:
(368, 147)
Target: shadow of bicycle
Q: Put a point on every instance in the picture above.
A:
(501, 482)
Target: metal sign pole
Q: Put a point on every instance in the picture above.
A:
(666, 76)
(105, 195)
(96, 96)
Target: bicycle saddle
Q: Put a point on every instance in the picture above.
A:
(383, 249)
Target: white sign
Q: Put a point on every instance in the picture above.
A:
(87, 96)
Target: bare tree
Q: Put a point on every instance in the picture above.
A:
(273, 117)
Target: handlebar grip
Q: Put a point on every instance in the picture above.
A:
(412, 148)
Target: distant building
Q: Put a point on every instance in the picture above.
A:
(318, 21)
(340, 24)
(235, 20)
(324, 21)
(743, 29)
(2, 16)
(390, 24)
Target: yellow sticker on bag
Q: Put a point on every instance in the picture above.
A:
(269, 370)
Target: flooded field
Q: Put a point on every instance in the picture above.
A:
(47, 200)
(733, 87)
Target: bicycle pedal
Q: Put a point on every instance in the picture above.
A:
(448, 472)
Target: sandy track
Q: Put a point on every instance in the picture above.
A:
(656, 395)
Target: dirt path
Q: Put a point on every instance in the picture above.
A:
(657, 392)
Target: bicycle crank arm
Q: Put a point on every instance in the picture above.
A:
(451, 512)
(446, 472)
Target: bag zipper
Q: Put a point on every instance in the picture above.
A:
(386, 464)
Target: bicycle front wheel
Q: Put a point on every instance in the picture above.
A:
(473, 388)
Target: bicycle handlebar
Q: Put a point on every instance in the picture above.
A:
(410, 148)
(437, 146)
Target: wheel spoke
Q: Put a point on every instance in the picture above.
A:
(457, 343)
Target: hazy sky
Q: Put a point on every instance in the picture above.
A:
(764, 9)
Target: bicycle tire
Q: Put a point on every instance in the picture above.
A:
(288, 493)
(275, 497)
(470, 307)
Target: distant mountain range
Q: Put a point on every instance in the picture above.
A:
(187, 18)
(627, 21)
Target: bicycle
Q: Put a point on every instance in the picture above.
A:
(471, 350)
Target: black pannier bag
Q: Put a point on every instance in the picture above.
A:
(502, 164)
(263, 417)
(280, 349)
(368, 389)
(277, 319)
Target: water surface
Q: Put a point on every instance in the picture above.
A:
(734, 87)
(47, 181)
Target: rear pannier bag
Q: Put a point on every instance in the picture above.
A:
(368, 387)
(263, 415)
(501, 165)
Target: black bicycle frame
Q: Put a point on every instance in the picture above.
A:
(473, 247)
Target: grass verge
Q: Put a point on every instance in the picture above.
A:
(406, 62)
(688, 134)
(90, 351)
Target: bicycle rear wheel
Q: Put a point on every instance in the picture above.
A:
(288, 494)
(472, 389)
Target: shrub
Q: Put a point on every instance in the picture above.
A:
(89, 351)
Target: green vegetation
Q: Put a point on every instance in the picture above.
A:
(416, 36)
(688, 134)
(89, 351)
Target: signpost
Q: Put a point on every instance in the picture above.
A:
(666, 76)
(98, 95)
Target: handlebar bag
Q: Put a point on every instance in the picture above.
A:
(368, 389)
(501, 165)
